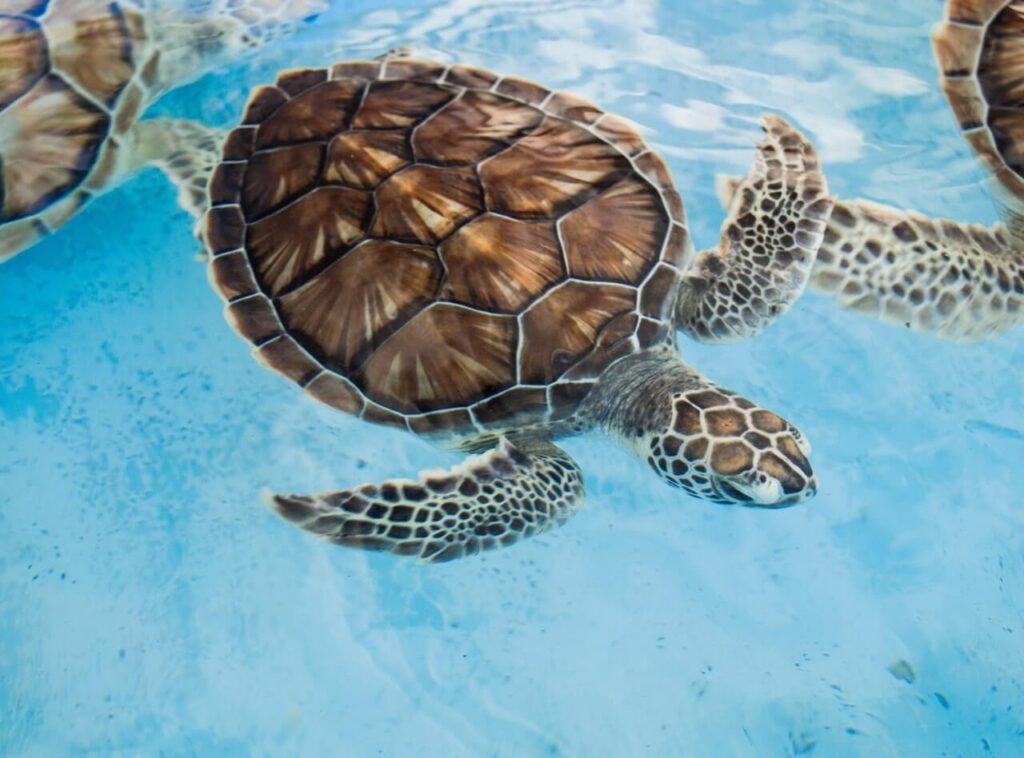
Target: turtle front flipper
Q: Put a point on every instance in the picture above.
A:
(962, 282)
(777, 217)
(186, 151)
(491, 500)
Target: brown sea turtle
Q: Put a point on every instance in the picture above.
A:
(962, 282)
(492, 265)
(75, 75)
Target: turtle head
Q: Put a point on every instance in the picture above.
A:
(724, 448)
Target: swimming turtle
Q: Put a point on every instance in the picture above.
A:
(962, 282)
(75, 75)
(489, 264)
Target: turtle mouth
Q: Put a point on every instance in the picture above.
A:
(768, 494)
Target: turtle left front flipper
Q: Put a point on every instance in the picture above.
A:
(776, 222)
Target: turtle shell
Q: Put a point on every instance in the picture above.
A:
(439, 248)
(980, 51)
(67, 88)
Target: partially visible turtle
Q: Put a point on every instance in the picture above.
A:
(75, 75)
(962, 282)
(489, 264)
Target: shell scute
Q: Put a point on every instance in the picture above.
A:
(92, 44)
(562, 327)
(573, 107)
(426, 203)
(277, 177)
(46, 162)
(446, 356)
(470, 76)
(23, 58)
(521, 89)
(472, 127)
(332, 219)
(352, 306)
(299, 80)
(284, 356)
(337, 392)
(500, 264)
(618, 235)
(555, 168)
(412, 70)
(517, 405)
(316, 114)
(391, 104)
(365, 159)
(263, 102)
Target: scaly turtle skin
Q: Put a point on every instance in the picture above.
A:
(961, 282)
(75, 75)
(486, 263)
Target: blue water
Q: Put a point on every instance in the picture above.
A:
(152, 606)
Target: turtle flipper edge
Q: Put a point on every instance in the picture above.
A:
(186, 151)
(511, 492)
(961, 282)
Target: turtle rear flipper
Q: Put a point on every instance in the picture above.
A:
(979, 48)
(186, 151)
(490, 500)
(760, 267)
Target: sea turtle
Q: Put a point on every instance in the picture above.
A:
(75, 75)
(962, 282)
(490, 264)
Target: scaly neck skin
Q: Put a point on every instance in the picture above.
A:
(636, 392)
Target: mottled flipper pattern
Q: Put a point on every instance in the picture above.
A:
(962, 282)
(187, 151)
(490, 500)
(776, 220)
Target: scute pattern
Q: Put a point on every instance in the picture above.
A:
(55, 157)
(93, 44)
(365, 159)
(317, 114)
(617, 236)
(399, 104)
(559, 166)
(445, 356)
(980, 52)
(425, 203)
(331, 217)
(421, 252)
(561, 328)
(500, 263)
(23, 58)
(472, 127)
(358, 301)
(278, 177)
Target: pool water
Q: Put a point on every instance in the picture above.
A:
(152, 606)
